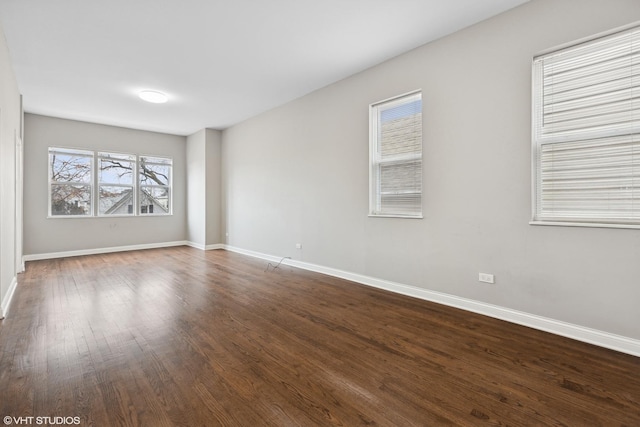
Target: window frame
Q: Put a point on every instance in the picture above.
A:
(168, 187)
(375, 160)
(99, 184)
(600, 135)
(95, 183)
(52, 183)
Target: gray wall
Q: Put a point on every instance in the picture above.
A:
(44, 235)
(204, 187)
(196, 188)
(213, 178)
(10, 131)
(299, 174)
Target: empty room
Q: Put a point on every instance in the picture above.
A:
(305, 213)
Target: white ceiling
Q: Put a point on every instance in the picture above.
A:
(220, 61)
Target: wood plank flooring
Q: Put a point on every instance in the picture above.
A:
(182, 337)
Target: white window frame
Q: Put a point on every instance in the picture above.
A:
(376, 160)
(132, 158)
(95, 183)
(557, 136)
(164, 161)
(52, 183)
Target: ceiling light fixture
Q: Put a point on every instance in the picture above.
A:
(153, 96)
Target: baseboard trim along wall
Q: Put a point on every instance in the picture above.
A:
(204, 247)
(580, 333)
(52, 255)
(6, 301)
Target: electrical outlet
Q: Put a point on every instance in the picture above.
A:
(298, 245)
(486, 278)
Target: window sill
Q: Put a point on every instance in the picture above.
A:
(585, 224)
(396, 216)
(104, 216)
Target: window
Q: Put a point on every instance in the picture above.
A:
(155, 185)
(116, 184)
(72, 181)
(396, 157)
(586, 133)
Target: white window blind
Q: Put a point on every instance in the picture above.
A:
(586, 132)
(396, 157)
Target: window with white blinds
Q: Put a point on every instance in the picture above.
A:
(396, 157)
(586, 133)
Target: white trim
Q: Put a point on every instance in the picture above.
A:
(6, 301)
(397, 97)
(569, 330)
(196, 245)
(204, 247)
(371, 215)
(584, 224)
(586, 39)
(52, 255)
(19, 207)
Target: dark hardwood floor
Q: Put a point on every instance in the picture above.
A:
(182, 337)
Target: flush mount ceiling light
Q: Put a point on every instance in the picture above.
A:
(153, 96)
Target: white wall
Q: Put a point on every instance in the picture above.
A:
(299, 174)
(44, 235)
(10, 131)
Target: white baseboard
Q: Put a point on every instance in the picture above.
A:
(52, 255)
(214, 247)
(569, 330)
(6, 301)
(196, 245)
(204, 247)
